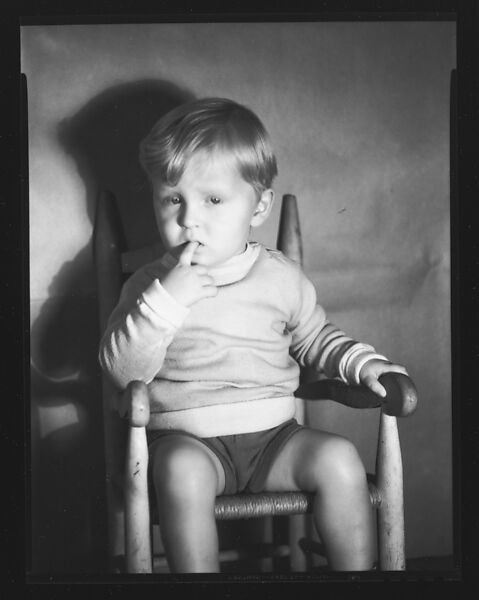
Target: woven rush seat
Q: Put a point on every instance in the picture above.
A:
(264, 504)
(250, 506)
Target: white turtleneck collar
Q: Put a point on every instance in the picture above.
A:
(230, 271)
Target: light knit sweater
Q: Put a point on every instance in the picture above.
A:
(229, 364)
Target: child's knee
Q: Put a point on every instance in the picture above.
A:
(183, 468)
(346, 461)
(338, 461)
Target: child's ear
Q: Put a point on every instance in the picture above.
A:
(263, 208)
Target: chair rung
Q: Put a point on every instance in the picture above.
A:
(255, 551)
(236, 554)
(374, 495)
(310, 546)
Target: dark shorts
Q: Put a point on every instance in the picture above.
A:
(246, 458)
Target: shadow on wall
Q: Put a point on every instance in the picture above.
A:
(68, 505)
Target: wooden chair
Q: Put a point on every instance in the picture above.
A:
(126, 416)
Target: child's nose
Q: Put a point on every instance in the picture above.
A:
(189, 215)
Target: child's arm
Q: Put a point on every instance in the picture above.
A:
(149, 314)
(139, 331)
(321, 345)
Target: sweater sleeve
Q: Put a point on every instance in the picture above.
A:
(319, 344)
(139, 331)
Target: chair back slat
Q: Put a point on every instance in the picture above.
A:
(289, 232)
(108, 244)
(290, 243)
(132, 260)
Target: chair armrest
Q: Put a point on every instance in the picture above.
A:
(400, 400)
(134, 404)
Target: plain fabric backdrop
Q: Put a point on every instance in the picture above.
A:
(359, 118)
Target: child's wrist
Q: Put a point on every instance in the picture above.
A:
(362, 362)
(349, 359)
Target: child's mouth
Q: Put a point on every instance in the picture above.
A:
(188, 241)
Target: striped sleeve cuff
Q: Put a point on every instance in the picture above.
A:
(354, 359)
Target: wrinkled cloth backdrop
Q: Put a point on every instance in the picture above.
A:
(359, 117)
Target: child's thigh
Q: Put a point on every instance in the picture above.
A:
(186, 461)
(311, 458)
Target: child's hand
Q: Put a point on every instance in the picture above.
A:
(373, 369)
(189, 283)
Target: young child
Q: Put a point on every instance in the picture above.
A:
(218, 328)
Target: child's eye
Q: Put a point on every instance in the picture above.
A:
(214, 200)
(173, 200)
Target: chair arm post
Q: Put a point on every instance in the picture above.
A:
(389, 481)
(135, 405)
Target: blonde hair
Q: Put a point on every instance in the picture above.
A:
(211, 124)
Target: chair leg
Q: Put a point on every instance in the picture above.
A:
(298, 530)
(116, 528)
(137, 510)
(389, 480)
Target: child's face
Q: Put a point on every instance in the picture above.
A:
(211, 204)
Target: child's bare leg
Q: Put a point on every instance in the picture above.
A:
(187, 477)
(330, 466)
